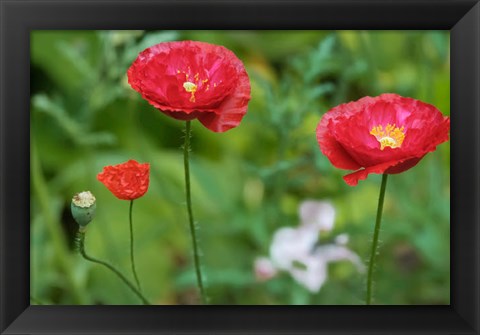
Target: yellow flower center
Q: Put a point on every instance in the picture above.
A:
(190, 88)
(391, 136)
(194, 84)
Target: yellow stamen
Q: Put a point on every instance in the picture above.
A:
(195, 84)
(391, 137)
(190, 88)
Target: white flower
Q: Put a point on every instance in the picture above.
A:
(335, 253)
(317, 213)
(291, 244)
(312, 270)
(342, 239)
(296, 251)
(313, 275)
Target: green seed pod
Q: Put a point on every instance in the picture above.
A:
(83, 208)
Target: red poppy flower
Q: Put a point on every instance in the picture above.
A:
(386, 134)
(193, 80)
(127, 181)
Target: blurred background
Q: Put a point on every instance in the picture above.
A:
(247, 182)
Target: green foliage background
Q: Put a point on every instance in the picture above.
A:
(247, 182)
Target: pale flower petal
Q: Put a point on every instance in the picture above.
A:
(313, 276)
(290, 244)
(342, 239)
(335, 253)
(264, 269)
(318, 213)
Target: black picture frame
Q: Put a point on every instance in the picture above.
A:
(19, 17)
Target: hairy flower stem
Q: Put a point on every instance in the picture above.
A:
(81, 249)
(186, 151)
(376, 232)
(132, 257)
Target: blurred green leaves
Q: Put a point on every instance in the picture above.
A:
(73, 130)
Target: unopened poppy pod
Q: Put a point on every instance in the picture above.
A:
(83, 208)
(385, 134)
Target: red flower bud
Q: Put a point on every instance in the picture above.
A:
(386, 134)
(193, 80)
(127, 181)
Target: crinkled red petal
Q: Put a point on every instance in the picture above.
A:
(127, 181)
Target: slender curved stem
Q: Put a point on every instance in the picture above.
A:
(81, 249)
(376, 232)
(132, 257)
(186, 151)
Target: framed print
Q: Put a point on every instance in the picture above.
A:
(226, 167)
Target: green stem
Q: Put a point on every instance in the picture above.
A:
(81, 249)
(186, 151)
(376, 232)
(132, 257)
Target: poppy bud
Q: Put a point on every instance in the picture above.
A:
(83, 208)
